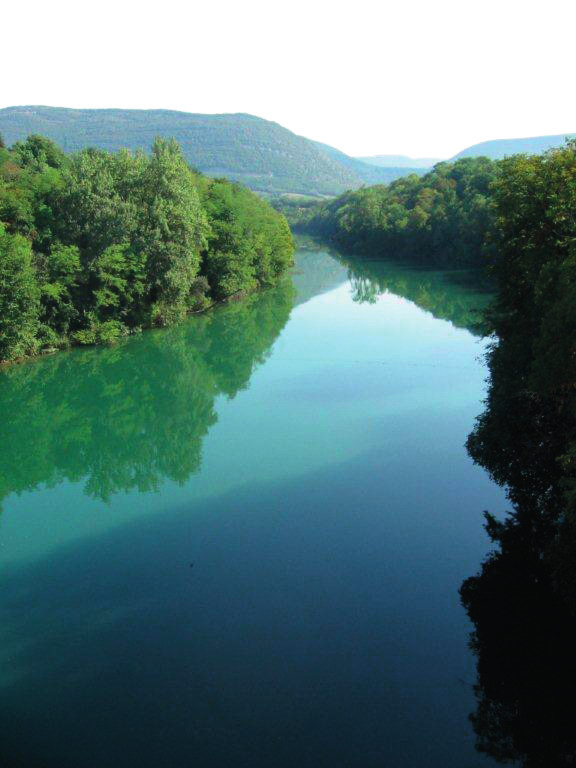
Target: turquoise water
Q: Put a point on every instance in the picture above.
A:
(238, 542)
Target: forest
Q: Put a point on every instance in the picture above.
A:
(97, 245)
(445, 217)
(522, 603)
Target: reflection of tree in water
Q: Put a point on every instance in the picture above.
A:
(317, 270)
(522, 603)
(454, 295)
(133, 415)
(524, 639)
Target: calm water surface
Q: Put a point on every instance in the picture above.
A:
(239, 542)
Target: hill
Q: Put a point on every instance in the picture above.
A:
(370, 173)
(499, 148)
(259, 153)
(400, 161)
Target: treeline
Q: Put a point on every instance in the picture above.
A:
(523, 602)
(444, 218)
(95, 245)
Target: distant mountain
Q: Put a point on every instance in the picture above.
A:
(370, 173)
(400, 161)
(499, 148)
(261, 154)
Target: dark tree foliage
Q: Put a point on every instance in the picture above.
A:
(523, 602)
(96, 245)
(442, 218)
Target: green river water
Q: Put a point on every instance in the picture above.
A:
(238, 542)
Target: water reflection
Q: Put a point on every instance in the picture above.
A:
(455, 295)
(522, 603)
(524, 638)
(130, 416)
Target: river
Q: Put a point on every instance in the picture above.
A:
(238, 542)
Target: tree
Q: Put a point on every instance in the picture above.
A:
(173, 231)
(19, 297)
(38, 152)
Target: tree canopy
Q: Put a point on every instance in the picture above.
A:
(523, 601)
(441, 218)
(95, 245)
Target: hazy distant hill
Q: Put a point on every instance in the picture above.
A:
(503, 147)
(370, 173)
(400, 161)
(261, 154)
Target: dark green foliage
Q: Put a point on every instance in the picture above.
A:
(442, 218)
(523, 602)
(97, 245)
(258, 153)
(532, 364)
(38, 152)
(19, 297)
(297, 209)
(248, 243)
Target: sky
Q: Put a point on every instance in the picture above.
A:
(415, 78)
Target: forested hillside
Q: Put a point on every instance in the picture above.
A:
(261, 154)
(441, 218)
(96, 245)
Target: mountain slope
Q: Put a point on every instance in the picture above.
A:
(499, 148)
(261, 154)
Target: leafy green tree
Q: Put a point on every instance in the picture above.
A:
(119, 280)
(173, 232)
(19, 297)
(59, 275)
(126, 240)
(37, 152)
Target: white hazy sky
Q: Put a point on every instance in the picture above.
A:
(411, 77)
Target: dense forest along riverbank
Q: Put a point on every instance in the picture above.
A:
(239, 540)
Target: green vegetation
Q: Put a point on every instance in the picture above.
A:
(97, 245)
(258, 153)
(441, 218)
(523, 602)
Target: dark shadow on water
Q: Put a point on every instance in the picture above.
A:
(316, 628)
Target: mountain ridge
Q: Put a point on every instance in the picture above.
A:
(496, 149)
(260, 153)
